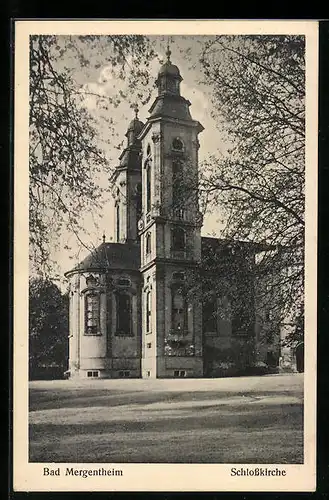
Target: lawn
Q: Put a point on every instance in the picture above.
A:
(233, 420)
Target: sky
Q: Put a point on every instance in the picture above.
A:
(100, 80)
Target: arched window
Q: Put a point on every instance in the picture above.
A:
(179, 311)
(148, 311)
(148, 150)
(123, 314)
(92, 314)
(91, 281)
(138, 206)
(117, 223)
(148, 243)
(178, 239)
(242, 317)
(177, 144)
(148, 187)
(177, 185)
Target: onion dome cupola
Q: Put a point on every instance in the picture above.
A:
(109, 256)
(169, 103)
(130, 156)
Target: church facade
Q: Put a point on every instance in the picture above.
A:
(150, 304)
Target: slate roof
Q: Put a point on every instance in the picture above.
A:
(125, 256)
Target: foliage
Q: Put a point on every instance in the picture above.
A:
(48, 326)
(258, 92)
(296, 335)
(239, 359)
(67, 155)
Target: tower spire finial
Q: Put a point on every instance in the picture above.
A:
(168, 51)
(103, 237)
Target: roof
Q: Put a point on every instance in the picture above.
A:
(171, 106)
(125, 256)
(131, 158)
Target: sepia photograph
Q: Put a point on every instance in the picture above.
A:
(169, 210)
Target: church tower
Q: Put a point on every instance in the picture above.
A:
(170, 234)
(127, 186)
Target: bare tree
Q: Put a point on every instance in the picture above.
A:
(67, 155)
(258, 90)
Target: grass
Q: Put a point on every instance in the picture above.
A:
(236, 420)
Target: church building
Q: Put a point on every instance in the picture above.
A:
(149, 304)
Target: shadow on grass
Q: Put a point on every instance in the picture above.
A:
(82, 399)
(214, 434)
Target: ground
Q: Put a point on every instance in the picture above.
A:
(232, 420)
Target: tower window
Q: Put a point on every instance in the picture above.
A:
(148, 243)
(178, 239)
(117, 222)
(176, 87)
(177, 144)
(138, 197)
(178, 193)
(92, 312)
(123, 314)
(148, 188)
(148, 311)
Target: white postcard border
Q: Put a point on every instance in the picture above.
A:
(158, 477)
